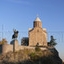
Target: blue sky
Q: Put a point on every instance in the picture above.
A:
(20, 14)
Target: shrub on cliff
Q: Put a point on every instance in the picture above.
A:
(37, 48)
(34, 56)
(3, 41)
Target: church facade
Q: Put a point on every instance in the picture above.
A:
(37, 35)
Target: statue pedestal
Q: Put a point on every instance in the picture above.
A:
(15, 44)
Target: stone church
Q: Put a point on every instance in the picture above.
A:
(37, 34)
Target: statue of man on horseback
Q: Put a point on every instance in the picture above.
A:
(15, 35)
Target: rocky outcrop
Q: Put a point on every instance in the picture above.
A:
(55, 57)
(26, 56)
(63, 62)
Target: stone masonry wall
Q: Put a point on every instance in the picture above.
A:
(15, 47)
(7, 48)
(37, 35)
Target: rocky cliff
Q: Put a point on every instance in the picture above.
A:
(26, 56)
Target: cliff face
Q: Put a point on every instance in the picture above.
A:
(38, 56)
(63, 62)
(55, 57)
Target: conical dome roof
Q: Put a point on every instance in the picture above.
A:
(37, 19)
(37, 22)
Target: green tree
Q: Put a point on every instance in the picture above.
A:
(52, 42)
(3, 41)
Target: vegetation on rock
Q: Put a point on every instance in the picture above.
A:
(3, 41)
(28, 56)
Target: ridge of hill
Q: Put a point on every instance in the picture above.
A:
(26, 56)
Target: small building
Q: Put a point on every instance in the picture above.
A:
(37, 35)
(25, 41)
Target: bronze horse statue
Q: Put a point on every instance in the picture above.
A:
(15, 35)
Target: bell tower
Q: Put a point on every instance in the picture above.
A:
(37, 23)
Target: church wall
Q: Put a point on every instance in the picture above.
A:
(37, 36)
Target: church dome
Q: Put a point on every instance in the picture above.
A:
(37, 19)
(37, 22)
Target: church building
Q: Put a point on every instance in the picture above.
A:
(37, 35)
